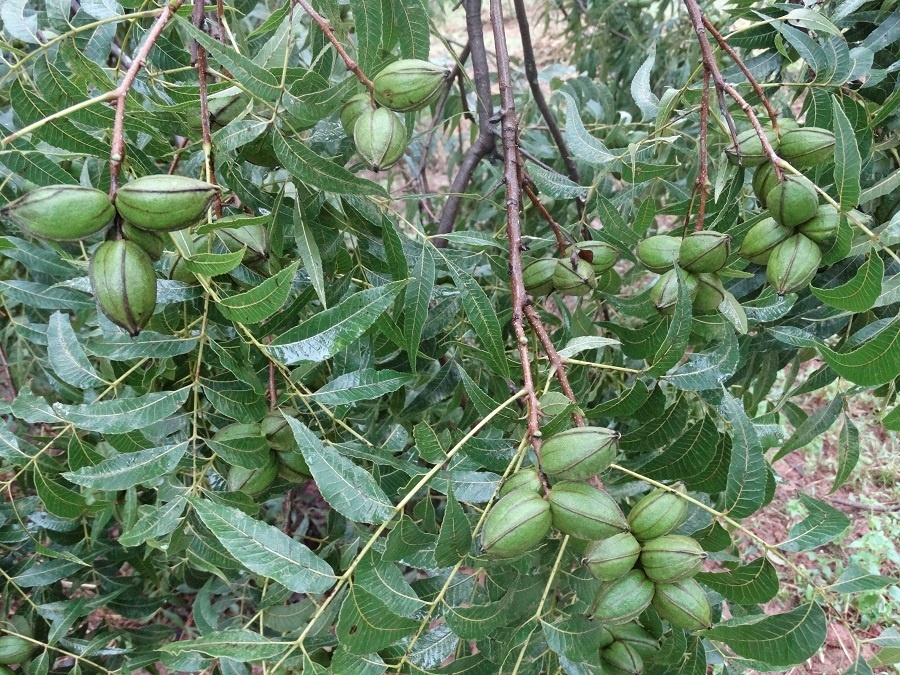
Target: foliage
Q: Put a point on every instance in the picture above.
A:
(390, 369)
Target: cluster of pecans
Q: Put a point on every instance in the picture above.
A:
(638, 559)
(257, 453)
(586, 268)
(700, 254)
(121, 268)
(371, 120)
(790, 241)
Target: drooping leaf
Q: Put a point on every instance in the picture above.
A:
(309, 252)
(328, 332)
(128, 469)
(123, 414)
(860, 293)
(847, 161)
(241, 645)
(876, 362)
(348, 488)
(366, 625)
(361, 385)
(261, 302)
(264, 549)
(780, 640)
(66, 355)
(822, 525)
(483, 318)
(752, 584)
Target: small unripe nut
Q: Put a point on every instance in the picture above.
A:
(683, 604)
(14, 649)
(761, 239)
(241, 445)
(657, 513)
(822, 226)
(643, 642)
(659, 253)
(764, 179)
(537, 276)
(792, 201)
(409, 84)
(380, 138)
(352, 111)
(710, 293)
(124, 284)
(584, 511)
(516, 524)
(164, 203)
(152, 243)
(61, 212)
(750, 149)
(253, 481)
(523, 479)
(613, 557)
(809, 146)
(793, 264)
(605, 255)
(624, 599)
(579, 453)
(577, 280)
(623, 658)
(704, 251)
(671, 558)
(664, 293)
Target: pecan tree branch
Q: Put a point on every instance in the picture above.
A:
(200, 63)
(723, 43)
(561, 243)
(556, 362)
(323, 24)
(511, 173)
(531, 73)
(701, 185)
(117, 147)
(484, 144)
(722, 87)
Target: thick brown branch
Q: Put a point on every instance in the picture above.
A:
(531, 73)
(323, 24)
(484, 144)
(746, 71)
(117, 147)
(709, 64)
(513, 223)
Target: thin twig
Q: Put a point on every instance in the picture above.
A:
(511, 172)
(556, 361)
(200, 62)
(531, 73)
(182, 144)
(9, 376)
(878, 508)
(723, 43)
(561, 242)
(323, 24)
(117, 147)
(702, 184)
(709, 64)
(484, 144)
